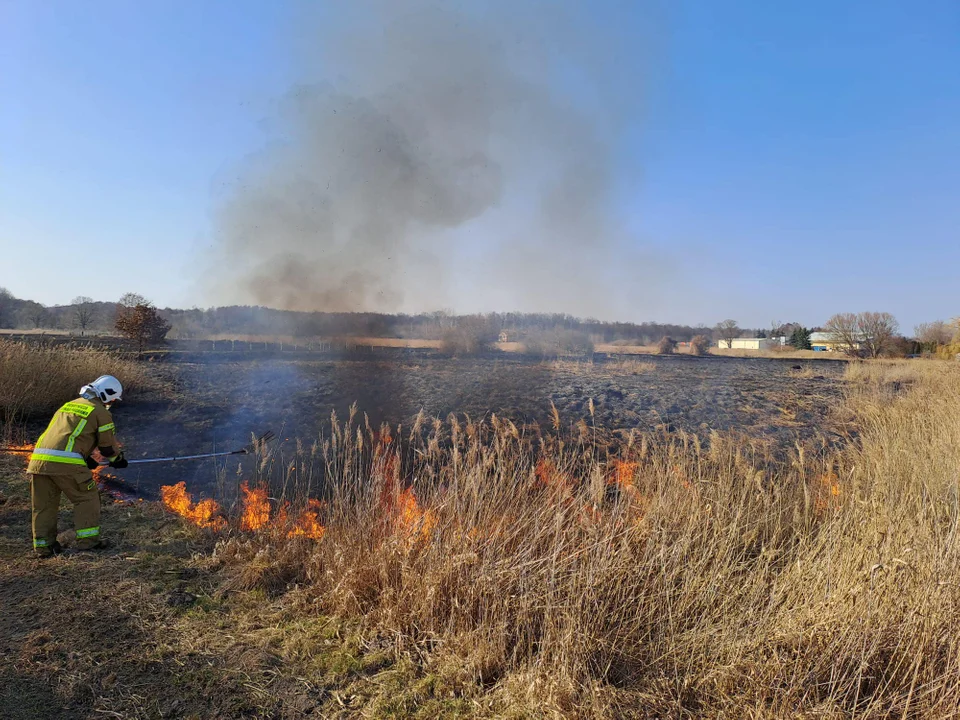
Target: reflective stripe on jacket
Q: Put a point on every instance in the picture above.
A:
(75, 430)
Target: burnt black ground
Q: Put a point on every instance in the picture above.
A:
(218, 402)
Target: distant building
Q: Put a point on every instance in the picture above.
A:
(828, 342)
(750, 343)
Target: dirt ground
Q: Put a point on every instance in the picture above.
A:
(145, 630)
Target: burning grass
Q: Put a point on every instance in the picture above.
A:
(205, 514)
(590, 574)
(256, 515)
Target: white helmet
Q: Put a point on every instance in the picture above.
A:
(105, 387)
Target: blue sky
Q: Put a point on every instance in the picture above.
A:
(786, 160)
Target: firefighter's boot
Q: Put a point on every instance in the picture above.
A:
(48, 551)
(100, 544)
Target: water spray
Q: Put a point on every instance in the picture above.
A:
(256, 445)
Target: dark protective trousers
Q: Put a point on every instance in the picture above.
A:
(81, 490)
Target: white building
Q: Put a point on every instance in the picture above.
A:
(750, 343)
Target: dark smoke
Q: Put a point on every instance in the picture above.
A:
(442, 155)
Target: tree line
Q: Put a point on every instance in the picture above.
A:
(132, 316)
(85, 315)
(872, 334)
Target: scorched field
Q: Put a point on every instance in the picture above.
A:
(219, 402)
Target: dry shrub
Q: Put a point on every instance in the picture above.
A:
(472, 335)
(582, 574)
(37, 379)
(949, 352)
(700, 345)
(666, 346)
(552, 344)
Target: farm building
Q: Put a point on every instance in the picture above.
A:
(826, 342)
(749, 344)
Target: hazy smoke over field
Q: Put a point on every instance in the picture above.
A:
(438, 156)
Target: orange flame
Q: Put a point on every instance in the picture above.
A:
(24, 455)
(828, 495)
(205, 514)
(624, 473)
(402, 506)
(308, 524)
(625, 479)
(548, 474)
(256, 508)
(411, 518)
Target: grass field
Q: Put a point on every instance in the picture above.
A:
(35, 380)
(485, 569)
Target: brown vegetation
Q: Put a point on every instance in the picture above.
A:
(138, 320)
(700, 345)
(666, 346)
(35, 380)
(470, 335)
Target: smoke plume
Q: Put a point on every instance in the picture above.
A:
(440, 155)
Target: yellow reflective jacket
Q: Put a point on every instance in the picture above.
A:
(75, 430)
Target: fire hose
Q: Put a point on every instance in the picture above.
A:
(252, 447)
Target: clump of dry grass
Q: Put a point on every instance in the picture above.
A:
(666, 346)
(585, 575)
(630, 365)
(36, 379)
(700, 345)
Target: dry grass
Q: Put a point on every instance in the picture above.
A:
(619, 365)
(879, 372)
(618, 349)
(35, 379)
(785, 353)
(630, 365)
(582, 574)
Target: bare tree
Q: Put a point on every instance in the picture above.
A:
(844, 331)
(871, 333)
(728, 331)
(83, 312)
(7, 303)
(37, 315)
(879, 331)
(932, 334)
(131, 300)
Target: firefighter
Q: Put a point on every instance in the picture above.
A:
(61, 463)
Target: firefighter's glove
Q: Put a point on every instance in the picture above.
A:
(91, 463)
(119, 462)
